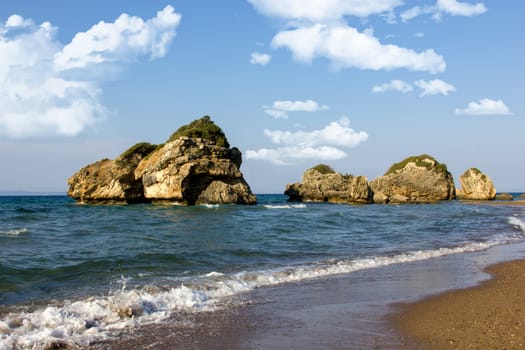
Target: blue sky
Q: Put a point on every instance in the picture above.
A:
(355, 84)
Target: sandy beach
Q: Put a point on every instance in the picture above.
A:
(490, 316)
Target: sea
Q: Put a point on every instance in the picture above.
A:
(81, 274)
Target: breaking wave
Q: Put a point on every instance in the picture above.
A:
(14, 232)
(82, 322)
(285, 206)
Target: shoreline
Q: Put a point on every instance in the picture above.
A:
(488, 316)
(349, 311)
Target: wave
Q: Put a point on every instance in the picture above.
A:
(285, 206)
(210, 206)
(80, 323)
(14, 232)
(517, 222)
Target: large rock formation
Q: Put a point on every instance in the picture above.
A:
(419, 179)
(323, 184)
(476, 186)
(194, 171)
(111, 181)
(195, 166)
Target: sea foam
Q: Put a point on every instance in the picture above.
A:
(513, 220)
(14, 232)
(285, 206)
(82, 322)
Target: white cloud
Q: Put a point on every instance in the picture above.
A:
(323, 10)
(124, 40)
(431, 87)
(17, 21)
(277, 114)
(449, 7)
(38, 98)
(434, 87)
(393, 85)
(485, 106)
(414, 12)
(260, 58)
(346, 47)
(317, 144)
(456, 8)
(317, 29)
(286, 155)
(280, 109)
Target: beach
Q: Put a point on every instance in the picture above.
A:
(490, 316)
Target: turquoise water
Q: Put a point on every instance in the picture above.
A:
(90, 271)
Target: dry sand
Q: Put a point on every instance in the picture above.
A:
(491, 316)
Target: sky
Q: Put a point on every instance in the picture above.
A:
(355, 84)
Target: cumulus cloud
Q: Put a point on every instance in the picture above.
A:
(323, 10)
(260, 58)
(445, 7)
(124, 40)
(280, 109)
(40, 97)
(317, 29)
(393, 85)
(322, 144)
(286, 155)
(434, 87)
(485, 106)
(17, 21)
(346, 47)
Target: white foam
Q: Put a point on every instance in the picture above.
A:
(214, 274)
(15, 232)
(285, 206)
(79, 323)
(210, 206)
(517, 222)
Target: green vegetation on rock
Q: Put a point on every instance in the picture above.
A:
(203, 128)
(476, 171)
(324, 169)
(420, 161)
(141, 149)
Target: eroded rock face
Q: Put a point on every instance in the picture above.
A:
(107, 181)
(321, 186)
(194, 171)
(187, 170)
(476, 185)
(419, 179)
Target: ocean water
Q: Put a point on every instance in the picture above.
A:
(79, 274)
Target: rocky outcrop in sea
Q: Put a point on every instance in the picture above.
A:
(476, 185)
(323, 184)
(417, 179)
(195, 166)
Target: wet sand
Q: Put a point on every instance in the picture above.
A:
(350, 311)
(491, 316)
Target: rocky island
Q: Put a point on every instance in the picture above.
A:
(416, 179)
(323, 184)
(195, 166)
